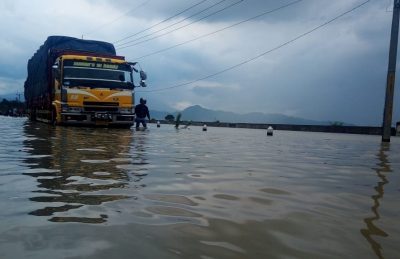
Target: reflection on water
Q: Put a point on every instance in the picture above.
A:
(75, 167)
(372, 229)
(224, 193)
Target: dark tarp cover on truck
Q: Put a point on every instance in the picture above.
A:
(39, 66)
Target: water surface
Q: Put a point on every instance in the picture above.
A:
(68, 192)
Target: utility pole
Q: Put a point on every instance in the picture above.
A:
(388, 110)
(19, 96)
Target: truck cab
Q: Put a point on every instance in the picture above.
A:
(92, 90)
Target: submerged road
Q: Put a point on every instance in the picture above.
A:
(68, 192)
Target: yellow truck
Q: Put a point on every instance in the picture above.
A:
(81, 82)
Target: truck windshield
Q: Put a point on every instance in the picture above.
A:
(97, 74)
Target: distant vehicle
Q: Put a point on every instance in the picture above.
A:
(76, 81)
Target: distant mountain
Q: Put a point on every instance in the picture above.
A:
(198, 113)
(160, 115)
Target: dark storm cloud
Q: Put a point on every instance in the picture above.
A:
(160, 9)
(335, 73)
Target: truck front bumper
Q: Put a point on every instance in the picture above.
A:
(97, 118)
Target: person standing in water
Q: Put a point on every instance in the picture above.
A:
(141, 112)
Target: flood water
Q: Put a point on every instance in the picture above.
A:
(68, 192)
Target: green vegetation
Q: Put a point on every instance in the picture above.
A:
(170, 117)
(12, 108)
(337, 123)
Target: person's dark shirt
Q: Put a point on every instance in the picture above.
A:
(142, 111)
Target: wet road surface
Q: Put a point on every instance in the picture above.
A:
(68, 192)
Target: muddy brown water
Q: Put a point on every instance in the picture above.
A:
(68, 192)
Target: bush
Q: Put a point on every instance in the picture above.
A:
(170, 117)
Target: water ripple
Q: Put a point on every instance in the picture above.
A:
(226, 193)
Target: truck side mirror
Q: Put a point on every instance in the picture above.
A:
(143, 75)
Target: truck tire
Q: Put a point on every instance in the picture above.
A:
(32, 115)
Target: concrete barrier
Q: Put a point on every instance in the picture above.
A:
(368, 130)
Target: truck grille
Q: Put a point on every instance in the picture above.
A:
(100, 106)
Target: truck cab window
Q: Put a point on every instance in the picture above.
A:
(97, 74)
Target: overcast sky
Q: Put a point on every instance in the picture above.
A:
(336, 73)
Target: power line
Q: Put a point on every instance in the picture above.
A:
(222, 29)
(167, 19)
(118, 18)
(262, 54)
(195, 21)
(171, 25)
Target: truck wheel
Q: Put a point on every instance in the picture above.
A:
(32, 115)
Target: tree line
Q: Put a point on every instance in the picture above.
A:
(12, 108)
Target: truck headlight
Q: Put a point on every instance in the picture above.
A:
(66, 108)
